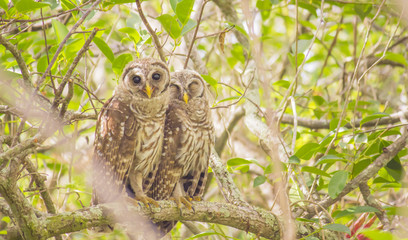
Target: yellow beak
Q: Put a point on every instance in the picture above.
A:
(185, 98)
(148, 90)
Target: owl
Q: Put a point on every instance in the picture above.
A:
(129, 133)
(188, 139)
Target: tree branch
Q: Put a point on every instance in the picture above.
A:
(389, 153)
(61, 45)
(257, 221)
(155, 39)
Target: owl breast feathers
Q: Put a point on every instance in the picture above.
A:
(129, 132)
(188, 139)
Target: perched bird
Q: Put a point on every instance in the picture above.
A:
(129, 133)
(188, 139)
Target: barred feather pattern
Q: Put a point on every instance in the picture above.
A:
(129, 131)
(188, 139)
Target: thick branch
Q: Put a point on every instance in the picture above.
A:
(21, 209)
(259, 221)
(20, 60)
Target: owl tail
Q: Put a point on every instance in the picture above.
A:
(165, 227)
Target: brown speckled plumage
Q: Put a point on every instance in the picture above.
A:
(129, 132)
(188, 138)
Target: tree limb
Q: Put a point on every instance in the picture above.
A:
(257, 221)
(389, 153)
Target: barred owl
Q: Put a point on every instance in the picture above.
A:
(188, 139)
(129, 133)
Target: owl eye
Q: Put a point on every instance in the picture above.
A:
(175, 87)
(156, 76)
(136, 79)
(194, 86)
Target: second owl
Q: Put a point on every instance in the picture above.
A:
(187, 143)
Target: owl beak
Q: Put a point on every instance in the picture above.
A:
(148, 90)
(185, 98)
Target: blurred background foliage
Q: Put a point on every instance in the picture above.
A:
(331, 63)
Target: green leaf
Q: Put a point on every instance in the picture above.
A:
(395, 169)
(268, 169)
(120, 62)
(303, 45)
(171, 25)
(105, 49)
(3, 232)
(330, 159)
(132, 33)
(60, 30)
(356, 210)
(337, 183)
(42, 64)
(315, 171)
(228, 99)
(360, 166)
(28, 5)
(238, 52)
(237, 162)
(210, 80)
(372, 117)
(3, 4)
(293, 159)
(318, 100)
(307, 151)
(259, 180)
(360, 138)
(173, 4)
(378, 235)
(282, 83)
(183, 10)
(191, 24)
(362, 10)
(337, 227)
(6, 219)
(396, 57)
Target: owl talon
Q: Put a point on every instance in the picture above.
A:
(197, 199)
(182, 201)
(148, 202)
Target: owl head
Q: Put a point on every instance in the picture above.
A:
(188, 89)
(146, 78)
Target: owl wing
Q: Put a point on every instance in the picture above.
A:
(115, 143)
(194, 181)
(169, 170)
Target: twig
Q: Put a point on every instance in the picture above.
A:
(71, 70)
(195, 33)
(61, 45)
(370, 200)
(222, 139)
(155, 39)
(389, 152)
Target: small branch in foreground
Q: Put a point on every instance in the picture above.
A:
(61, 45)
(155, 39)
(195, 33)
(370, 200)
